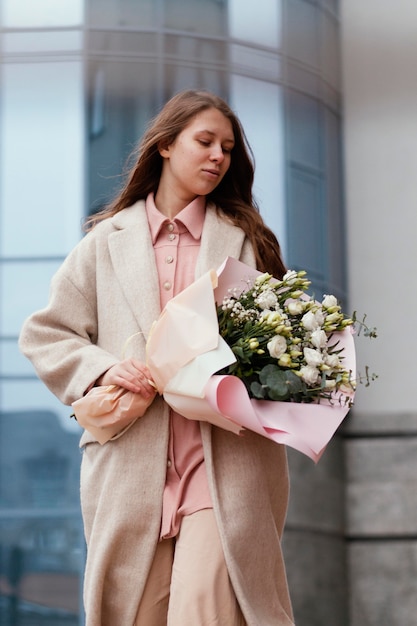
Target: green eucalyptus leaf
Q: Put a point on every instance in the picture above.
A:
(238, 351)
(276, 382)
(268, 370)
(294, 383)
(258, 391)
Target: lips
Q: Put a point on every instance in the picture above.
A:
(211, 172)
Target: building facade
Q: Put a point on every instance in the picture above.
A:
(79, 80)
(379, 49)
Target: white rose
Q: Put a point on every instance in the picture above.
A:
(318, 338)
(329, 301)
(313, 357)
(266, 300)
(277, 346)
(295, 307)
(332, 360)
(319, 315)
(309, 321)
(309, 374)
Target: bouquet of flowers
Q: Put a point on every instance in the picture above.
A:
(244, 351)
(284, 342)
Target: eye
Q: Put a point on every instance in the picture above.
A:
(204, 142)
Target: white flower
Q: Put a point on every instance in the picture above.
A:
(333, 318)
(329, 301)
(313, 357)
(263, 278)
(312, 320)
(273, 318)
(267, 299)
(309, 321)
(318, 338)
(309, 374)
(295, 307)
(277, 346)
(290, 277)
(332, 360)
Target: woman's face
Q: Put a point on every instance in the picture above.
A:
(197, 160)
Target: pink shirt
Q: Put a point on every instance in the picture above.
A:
(176, 244)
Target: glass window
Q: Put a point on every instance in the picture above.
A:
(24, 14)
(330, 62)
(29, 394)
(21, 43)
(122, 13)
(304, 130)
(41, 550)
(180, 77)
(264, 30)
(200, 16)
(302, 36)
(195, 48)
(260, 108)
(24, 289)
(121, 100)
(306, 223)
(263, 64)
(12, 362)
(335, 216)
(41, 158)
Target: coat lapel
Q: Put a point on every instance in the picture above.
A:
(134, 264)
(219, 240)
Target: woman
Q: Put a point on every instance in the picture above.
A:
(183, 520)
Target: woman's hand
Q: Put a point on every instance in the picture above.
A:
(130, 374)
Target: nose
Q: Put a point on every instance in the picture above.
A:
(217, 153)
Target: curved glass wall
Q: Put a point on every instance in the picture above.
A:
(78, 83)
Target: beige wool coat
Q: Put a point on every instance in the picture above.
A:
(105, 291)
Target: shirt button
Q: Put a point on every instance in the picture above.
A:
(170, 227)
(171, 236)
(169, 463)
(169, 259)
(167, 285)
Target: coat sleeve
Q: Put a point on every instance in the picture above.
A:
(60, 340)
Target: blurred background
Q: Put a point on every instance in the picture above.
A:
(327, 93)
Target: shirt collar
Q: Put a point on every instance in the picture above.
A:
(191, 216)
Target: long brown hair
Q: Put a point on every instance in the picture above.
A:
(233, 195)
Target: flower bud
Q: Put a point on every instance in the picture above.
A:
(285, 360)
(295, 308)
(329, 301)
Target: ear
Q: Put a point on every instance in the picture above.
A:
(163, 149)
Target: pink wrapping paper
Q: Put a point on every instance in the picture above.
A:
(186, 328)
(184, 372)
(107, 410)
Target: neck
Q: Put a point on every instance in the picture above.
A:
(170, 204)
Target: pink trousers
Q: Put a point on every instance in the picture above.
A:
(188, 584)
